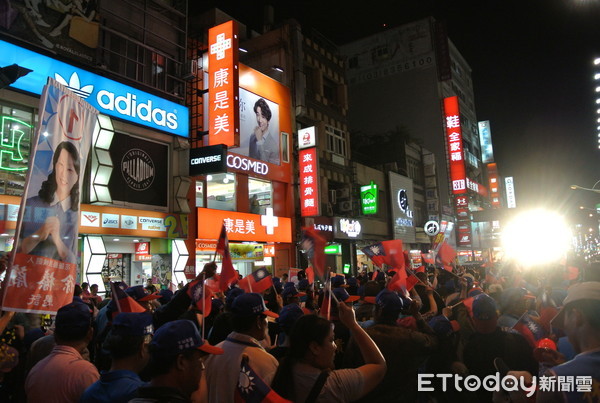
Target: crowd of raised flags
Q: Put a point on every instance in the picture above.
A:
(463, 307)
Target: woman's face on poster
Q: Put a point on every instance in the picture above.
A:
(66, 175)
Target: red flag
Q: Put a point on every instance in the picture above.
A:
(251, 388)
(386, 252)
(124, 302)
(468, 303)
(325, 310)
(228, 273)
(310, 275)
(530, 329)
(427, 258)
(314, 246)
(446, 254)
(402, 282)
(201, 296)
(257, 281)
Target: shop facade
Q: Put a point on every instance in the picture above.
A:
(132, 177)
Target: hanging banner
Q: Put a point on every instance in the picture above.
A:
(42, 275)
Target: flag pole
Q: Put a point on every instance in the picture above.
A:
(203, 306)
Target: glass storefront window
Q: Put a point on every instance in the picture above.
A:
(220, 191)
(17, 125)
(199, 194)
(260, 194)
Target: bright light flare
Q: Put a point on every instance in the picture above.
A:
(536, 237)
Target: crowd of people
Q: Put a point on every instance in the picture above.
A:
(352, 339)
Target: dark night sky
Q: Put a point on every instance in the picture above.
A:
(532, 75)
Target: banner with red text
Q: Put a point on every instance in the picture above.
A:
(41, 277)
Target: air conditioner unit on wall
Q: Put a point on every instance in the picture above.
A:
(345, 206)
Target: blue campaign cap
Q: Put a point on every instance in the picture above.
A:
(178, 336)
(442, 326)
(249, 304)
(231, 295)
(75, 315)
(342, 295)
(132, 324)
(484, 307)
(288, 315)
(389, 300)
(338, 281)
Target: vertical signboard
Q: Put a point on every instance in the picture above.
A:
(511, 201)
(463, 225)
(494, 185)
(454, 143)
(223, 85)
(402, 200)
(485, 140)
(309, 182)
(368, 198)
(42, 275)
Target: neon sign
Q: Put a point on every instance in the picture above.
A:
(14, 131)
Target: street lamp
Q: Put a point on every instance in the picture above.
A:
(592, 189)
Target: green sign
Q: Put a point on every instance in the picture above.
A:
(14, 134)
(368, 198)
(335, 249)
(346, 268)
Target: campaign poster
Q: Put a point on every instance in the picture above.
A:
(41, 277)
(259, 128)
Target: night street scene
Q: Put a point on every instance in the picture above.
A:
(299, 201)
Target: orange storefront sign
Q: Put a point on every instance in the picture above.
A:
(223, 85)
(244, 226)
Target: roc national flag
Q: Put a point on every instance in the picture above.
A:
(386, 252)
(228, 274)
(123, 302)
(252, 389)
(201, 296)
(314, 246)
(530, 329)
(257, 281)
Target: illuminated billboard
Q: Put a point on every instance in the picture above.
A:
(223, 85)
(454, 143)
(494, 183)
(511, 201)
(368, 198)
(259, 128)
(309, 182)
(485, 140)
(402, 201)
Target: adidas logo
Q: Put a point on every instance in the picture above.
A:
(75, 85)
